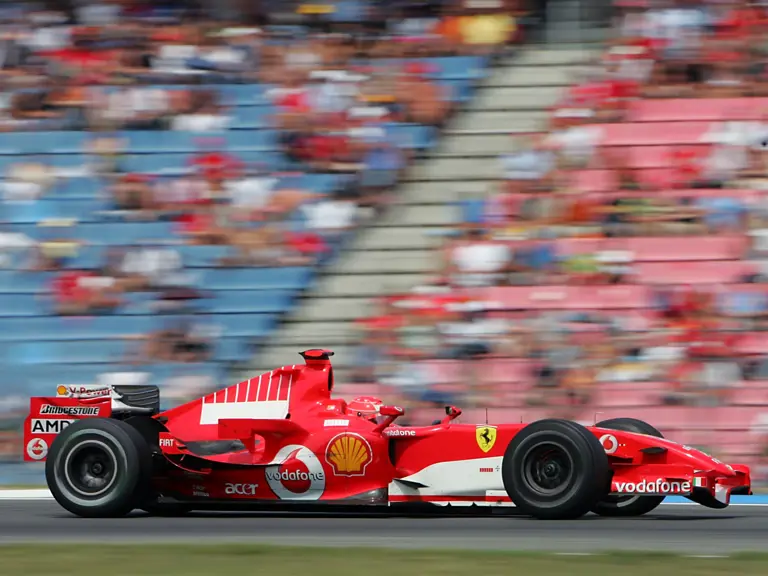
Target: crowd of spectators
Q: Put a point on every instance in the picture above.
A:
(322, 92)
(599, 206)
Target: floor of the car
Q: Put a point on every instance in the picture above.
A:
(215, 447)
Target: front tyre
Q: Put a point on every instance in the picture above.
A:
(99, 468)
(555, 469)
(629, 504)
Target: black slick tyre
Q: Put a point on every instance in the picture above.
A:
(628, 505)
(99, 468)
(555, 470)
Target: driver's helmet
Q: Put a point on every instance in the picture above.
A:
(365, 407)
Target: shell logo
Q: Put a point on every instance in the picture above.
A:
(348, 454)
(62, 391)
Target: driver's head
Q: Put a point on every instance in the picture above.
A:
(365, 407)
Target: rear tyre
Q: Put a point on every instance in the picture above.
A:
(99, 468)
(555, 469)
(628, 505)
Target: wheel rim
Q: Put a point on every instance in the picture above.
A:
(547, 469)
(89, 468)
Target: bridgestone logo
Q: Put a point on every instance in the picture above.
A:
(654, 487)
(294, 476)
(48, 409)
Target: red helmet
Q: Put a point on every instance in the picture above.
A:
(365, 407)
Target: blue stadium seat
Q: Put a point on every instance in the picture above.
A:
(246, 325)
(60, 352)
(232, 350)
(250, 301)
(126, 233)
(12, 282)
(22, 305)
(63, 328)
(250, 117)
(292, 278)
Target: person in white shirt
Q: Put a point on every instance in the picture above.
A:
(330, 216)
(478, 261)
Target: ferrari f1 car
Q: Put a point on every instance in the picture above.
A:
(282, 439)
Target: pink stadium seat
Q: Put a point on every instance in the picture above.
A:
(643, 157)
(734, 443)
(595, 180)
(695, 109)
(568, 297)
(738, 417)
(725, 272)
(654, 133)
(752, 343)
(350, 391)
(510, 371)
(663, 249)
(630, 396)
(750, 394)
(743, 194)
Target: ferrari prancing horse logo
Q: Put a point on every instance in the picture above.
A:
(486, 437)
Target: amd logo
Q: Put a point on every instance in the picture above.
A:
(241, 489)
(49, 425)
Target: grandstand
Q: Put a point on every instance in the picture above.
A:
(644, 201)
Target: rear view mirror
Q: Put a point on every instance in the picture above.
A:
(395, 411)
(391, 413)
(451, 413)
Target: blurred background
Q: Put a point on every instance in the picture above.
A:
(527, 208)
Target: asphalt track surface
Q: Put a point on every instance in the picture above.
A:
(675, 528)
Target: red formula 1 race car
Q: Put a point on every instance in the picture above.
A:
(281, 438)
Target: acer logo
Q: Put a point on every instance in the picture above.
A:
(49, 426)
(241, 489)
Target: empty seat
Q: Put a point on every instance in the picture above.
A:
(261, 301)
(290, 278)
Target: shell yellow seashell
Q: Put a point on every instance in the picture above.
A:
(348, 454)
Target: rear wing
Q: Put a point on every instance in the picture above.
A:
(48, 416)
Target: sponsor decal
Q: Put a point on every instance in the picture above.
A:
(486, 437)
(658, 486)
(336, 423)
(399, 432)
(37, 448)
(200, 491)
(348, 454)
(486, 469)
(49, 425)
(609, 442)
(50, 409)
(241, 489)
(167, 442)
(83, 391)
(299, 477)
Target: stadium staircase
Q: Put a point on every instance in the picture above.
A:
(397, 252)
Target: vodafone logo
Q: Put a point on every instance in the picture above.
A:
(393, 432)
(37, 449)
(299, 477)
(658, 486)
(609, 442)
